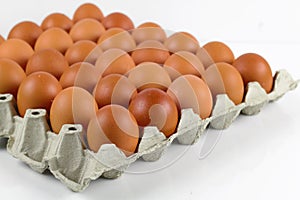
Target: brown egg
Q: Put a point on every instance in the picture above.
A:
(72, 105)
(154, 107)
(150, 51)
(113, 124)
(181, 41)
(82, 74)
(118, 20)
(114, 61)
(11, 76)
(253, 67)
(17, 50)
(55, 38)
(87, 29)
(182, 63)
(27, 31)
(58, 20)
(94, 55)
(149, 24)
(189, 91)
(223, 78)
(37, 91)
(116, 38)
(148, 31)
(149, 75)
(204, 57)
(87, 10)
(83, 50)
(217, 52)
(114, 89)
(1, 39)
(47, 60)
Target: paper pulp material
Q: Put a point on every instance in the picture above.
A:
(30, 138)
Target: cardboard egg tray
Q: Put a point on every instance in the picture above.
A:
(31, 141)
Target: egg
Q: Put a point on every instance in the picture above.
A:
(55, 38)
(82, 51)
(148, 31)
(87, 29)
(182, 63)
(27, 31)
(11, 76)
(37, 91)
(149, 75)
(218, 52)
(1, 39)
(118, 20)
(181, 41)
(150, 51)
(223, 78)
(114, 61)
(254, 67)
(113, 124)
(154, 107)
(189, 91)
(58, 20)
(116, 38)
(47, 60)
(88, 10)
(17, 50)
(82, 74)
(114, 89)
(72, 105)
(204, 57)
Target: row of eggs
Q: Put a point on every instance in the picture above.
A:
(114, 87)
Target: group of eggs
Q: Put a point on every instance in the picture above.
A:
(113, 79)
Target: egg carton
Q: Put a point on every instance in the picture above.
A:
(31, 141)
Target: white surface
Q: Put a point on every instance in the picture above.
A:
(256, 158)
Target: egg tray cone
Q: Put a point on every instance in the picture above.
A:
(31, 141)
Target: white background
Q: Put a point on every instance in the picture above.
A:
(256, 158)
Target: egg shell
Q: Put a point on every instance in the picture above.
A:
(114, 89)
(82, 74)
(182, 63)
(218, 52)
(72, 105)
(47, 60)
(150, 51)
(58, 20)
(37, 91)
(149, 24)
(11, 76)
(118, 20)
(87, 29)
(1, 39)
(114, 61)
(55, 38)
(189, 91)
(149, 75)
(17, 50)
(113, 124)
(254, 67)
(204, 57)
(223, 78)
(27, 31)
(88, 10)
(154, 107)
(181, 41)
(116, 38)
(148, 31)
(81, 51)
(94, 55)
